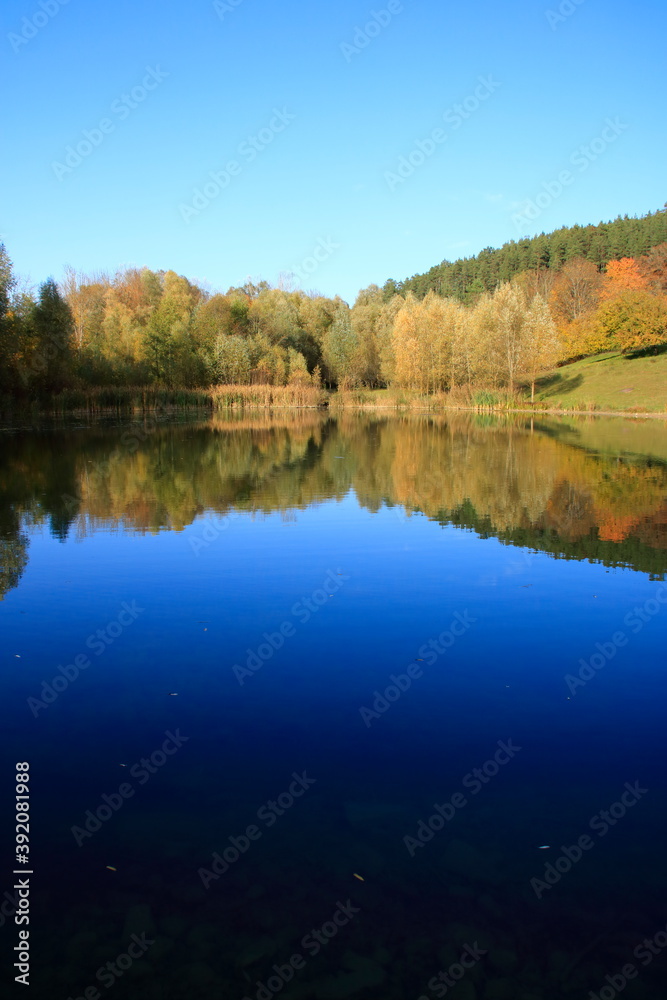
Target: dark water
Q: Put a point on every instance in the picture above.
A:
(313, 632)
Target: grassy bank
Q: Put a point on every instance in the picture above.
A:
(610, 382)
(606, 383)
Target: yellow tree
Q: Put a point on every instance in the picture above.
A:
(541, 342)
(633, 321)
(410, 370)
(384, 336)
(439, 322)
(506, 348)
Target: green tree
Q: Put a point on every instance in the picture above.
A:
(339, 348)
(8, 329)
(229, 361)
(53, 340)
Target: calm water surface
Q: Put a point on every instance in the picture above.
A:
(323, 708)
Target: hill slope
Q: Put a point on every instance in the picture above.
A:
(608, 382)
(469, 276)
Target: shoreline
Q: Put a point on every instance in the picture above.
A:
(331, 407)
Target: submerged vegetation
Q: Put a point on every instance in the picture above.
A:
(481, 332)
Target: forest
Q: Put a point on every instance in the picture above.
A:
(498, 320)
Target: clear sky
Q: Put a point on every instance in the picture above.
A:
(314, 118)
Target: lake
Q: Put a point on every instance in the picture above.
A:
(338, 706)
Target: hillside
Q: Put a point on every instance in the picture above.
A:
(611, 382)
(469, 276)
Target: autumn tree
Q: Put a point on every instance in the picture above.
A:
(541, 342)
(576, 290)
(653, 267)
(622, 275)
(384, 336)
(633, 321)
(506, 346)
(409, 368)
(365, 317)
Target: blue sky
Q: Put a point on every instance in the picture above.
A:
(332, 113)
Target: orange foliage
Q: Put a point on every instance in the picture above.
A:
(621, 276)
(615, 528)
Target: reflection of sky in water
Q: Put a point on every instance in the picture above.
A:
(208, 607)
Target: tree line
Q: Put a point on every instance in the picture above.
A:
(469, 277)
(140, 327)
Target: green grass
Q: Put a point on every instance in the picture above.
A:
(610, 382)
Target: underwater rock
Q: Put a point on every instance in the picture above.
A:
(365, 974)
(161, 946)
(138, 920)
(173, 925)
(256, 950)
(464, 859)
(204, 939)
(503, 960)
(500, 989)
(200, 975)
(465, 990)
(81, 945)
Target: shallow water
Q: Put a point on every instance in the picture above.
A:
(384, 615)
